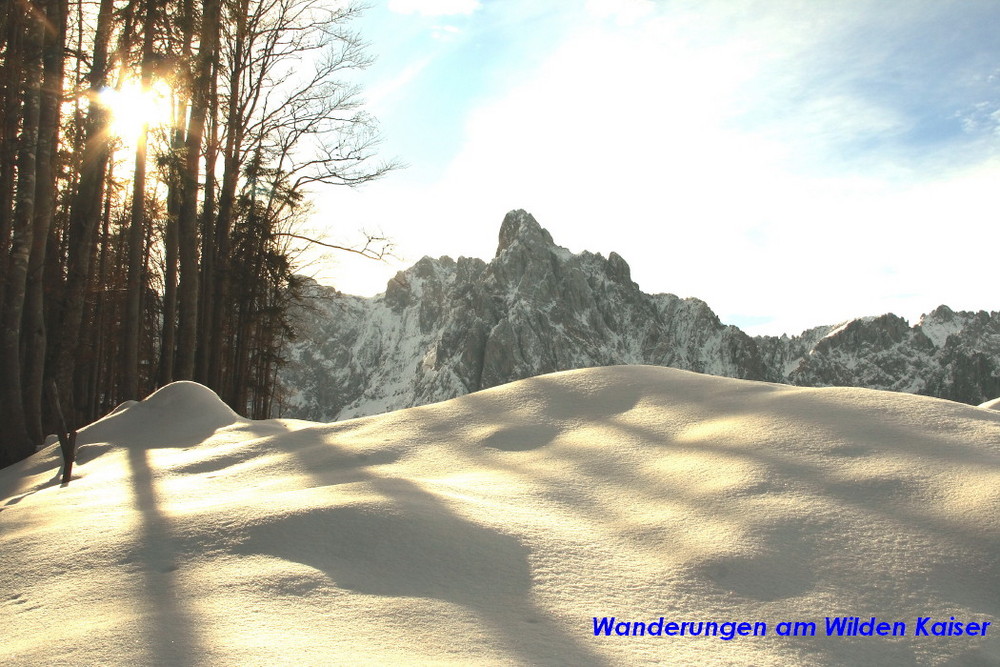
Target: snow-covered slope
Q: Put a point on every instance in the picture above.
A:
(445, 328)
(498, 527)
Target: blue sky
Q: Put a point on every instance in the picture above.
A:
(792, 163)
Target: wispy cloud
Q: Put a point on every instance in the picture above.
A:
(624, 12)
(445, 32)
(803, 166)
(385, 89)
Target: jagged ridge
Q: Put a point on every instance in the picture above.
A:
(444, 328)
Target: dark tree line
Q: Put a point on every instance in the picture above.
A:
(130, 262)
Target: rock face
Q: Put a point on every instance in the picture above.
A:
(444, 328)
(946, 354)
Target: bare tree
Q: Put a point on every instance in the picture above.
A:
(284, 131)
(137, 220)
(110, 261)
(50, 102)
(17, 442)
(86, 209)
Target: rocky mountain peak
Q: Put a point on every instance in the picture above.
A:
(519, 226)
(942, 313)
(618, 269)
(878, 332)
(445, 327)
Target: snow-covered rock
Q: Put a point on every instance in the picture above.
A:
(444, 328)
(947, 354)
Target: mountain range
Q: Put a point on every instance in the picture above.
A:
(444, 328)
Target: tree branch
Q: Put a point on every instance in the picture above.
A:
(366, 251)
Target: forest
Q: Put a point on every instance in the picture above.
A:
(156, 160)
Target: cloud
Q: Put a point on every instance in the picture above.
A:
(624, 12)
(636, 140)
(979, 118)
(445, 32)
(434, 7)
(385, 89)
(725, 157)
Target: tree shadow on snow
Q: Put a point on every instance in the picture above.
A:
(417, 547)
(167, 636)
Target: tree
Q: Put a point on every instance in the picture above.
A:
(50, 101)
(122, 271)
(187, 215)
(137, 218)
(17, 440)
(86, 210)
(283, 132)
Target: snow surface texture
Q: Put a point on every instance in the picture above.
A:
(445, 328)
(493, 528)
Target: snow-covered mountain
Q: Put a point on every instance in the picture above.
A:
(947, 354)
(444, 328)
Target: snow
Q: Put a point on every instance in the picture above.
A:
(493, 528)
(938, 330)
(834, 330)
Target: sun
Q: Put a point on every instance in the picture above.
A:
(134, 109)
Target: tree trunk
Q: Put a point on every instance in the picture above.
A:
(10, 89)
(85, 214)
(15, 438)
(136, 230)
(45, 193)
(208, 214)
(235, 129)
(187, 334)
(168, 337)
(98, 340)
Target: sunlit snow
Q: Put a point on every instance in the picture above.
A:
(494, 528)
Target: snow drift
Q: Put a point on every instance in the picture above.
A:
(500, 527)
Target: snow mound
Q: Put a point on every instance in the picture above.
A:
(179, 414)
(991, 405)
(500, 527)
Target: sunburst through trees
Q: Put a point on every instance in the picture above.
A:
(154, 158)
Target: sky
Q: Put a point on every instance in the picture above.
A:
(790, 163)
